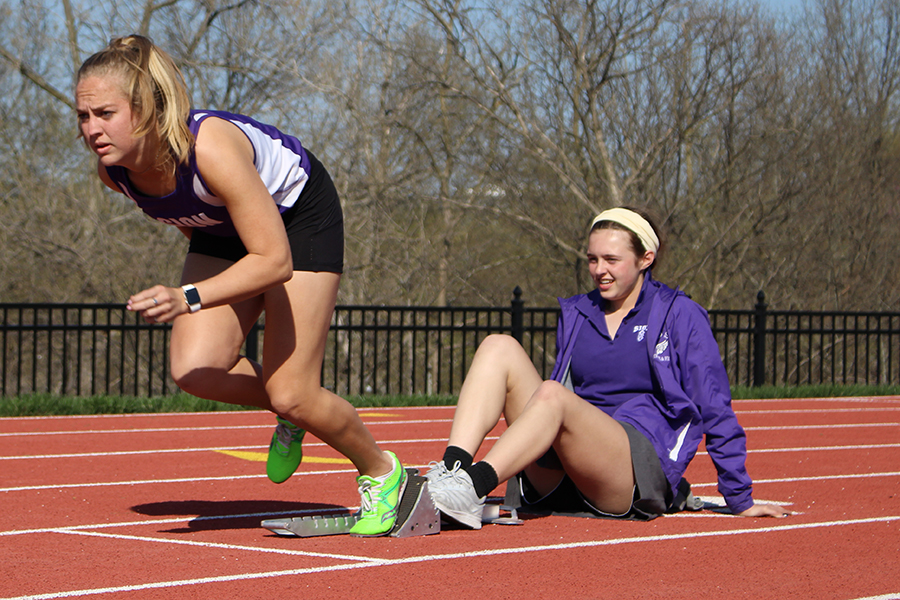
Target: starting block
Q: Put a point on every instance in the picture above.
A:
(416, 515)
(492, 515)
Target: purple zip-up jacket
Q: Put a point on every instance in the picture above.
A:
(692, 395)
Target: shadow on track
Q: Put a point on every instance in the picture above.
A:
(230, 514)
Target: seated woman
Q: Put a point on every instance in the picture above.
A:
(638, 383)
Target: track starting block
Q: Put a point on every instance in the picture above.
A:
(416, 515)
(492, 515)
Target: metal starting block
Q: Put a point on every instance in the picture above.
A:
(492, 516)
(416, 515)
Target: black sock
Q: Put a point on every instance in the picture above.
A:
(484, 477)
(454, 454)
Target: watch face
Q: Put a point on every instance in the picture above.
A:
(192, 295)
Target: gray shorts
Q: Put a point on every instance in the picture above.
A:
(652, 493)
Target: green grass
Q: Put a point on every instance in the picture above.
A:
(50, 404)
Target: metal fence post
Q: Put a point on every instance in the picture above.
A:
(518, 315)
(759, 341)
(251, 347)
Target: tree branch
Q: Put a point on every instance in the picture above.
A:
(36, 79)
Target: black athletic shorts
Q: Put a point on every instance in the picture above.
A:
(315, 228)
(652, 493)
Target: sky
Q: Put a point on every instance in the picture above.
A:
(778, 5)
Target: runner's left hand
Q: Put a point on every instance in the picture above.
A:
(158, 304)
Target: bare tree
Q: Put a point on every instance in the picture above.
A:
(473, 140)
(79, 241)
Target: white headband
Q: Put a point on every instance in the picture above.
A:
(633, 222)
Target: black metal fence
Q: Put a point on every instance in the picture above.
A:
(102, 349)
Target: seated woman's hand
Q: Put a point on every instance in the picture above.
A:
(765, 510)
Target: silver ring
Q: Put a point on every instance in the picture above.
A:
(155, 302)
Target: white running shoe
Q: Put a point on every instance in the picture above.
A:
(437, 471)
(454, 495)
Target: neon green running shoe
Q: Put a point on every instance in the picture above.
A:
(379, 499)
(285, 451)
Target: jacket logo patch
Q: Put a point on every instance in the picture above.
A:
(641, 331)
(661, 353)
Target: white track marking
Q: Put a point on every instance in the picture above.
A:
(369, 563)
(135, 430)
(144, 538)
(816, 448)
(797, 411)
(176, 480)
(833, 426)
(307, 473)
(392, 442)
(849, 399)
(339, 471)
(221, 413)
(210, 449)
(173, 520)
(415, 422)
(816, 478)
(203, 428)
(155, 481)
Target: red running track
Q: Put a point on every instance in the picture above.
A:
(169, 506)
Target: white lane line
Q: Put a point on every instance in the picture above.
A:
(155, 481)
(833, 426)
(816, 448)
(135, 430)
(331, 510)
(211, 449)
(134, 452)
(177, 480)
(452, 556)
(173, 520)
(317, 444)
(368, 422)
(338, 471)
(815, 478)
(386, 443)
(392, 442)
(812, 411)
(201, 428)
(143, 538)
(856, 399)
(220, 413)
